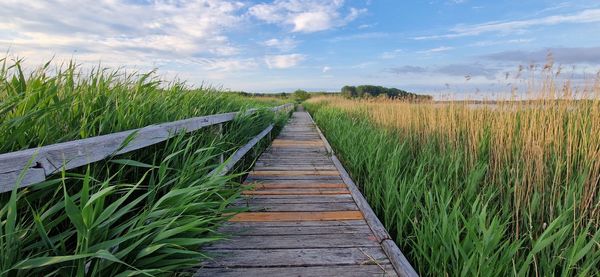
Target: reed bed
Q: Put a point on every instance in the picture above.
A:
(56, 103)
(144, 213)
(479, 190)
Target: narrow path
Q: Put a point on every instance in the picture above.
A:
(303, 220)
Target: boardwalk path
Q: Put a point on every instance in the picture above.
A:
(303, 220)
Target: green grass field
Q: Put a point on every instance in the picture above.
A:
(142, 213)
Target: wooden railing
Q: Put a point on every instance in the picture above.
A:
(31, 166)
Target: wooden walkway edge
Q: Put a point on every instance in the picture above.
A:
(306, 217)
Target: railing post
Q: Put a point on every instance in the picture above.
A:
(221, 157)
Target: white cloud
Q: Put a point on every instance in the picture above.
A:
(305, 16)
(122, 32)
(391, 54)
(585, 16)
(436, 50)
(226, 64)
(502, 42)
(354, 14)
(283, 61)
(326, 69)
(360, 36)
(284, 45)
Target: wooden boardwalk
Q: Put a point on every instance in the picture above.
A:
(303, 218)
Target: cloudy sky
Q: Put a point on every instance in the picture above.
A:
(282, 45)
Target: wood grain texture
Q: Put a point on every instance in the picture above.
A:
(295, 199)
(384, 270)
(295, 241)
(231, 258)
(295, 185)
(297, 207)
(296, 216)
(261, 230)
(297, 191)
(295, 173)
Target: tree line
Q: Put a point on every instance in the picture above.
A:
(375, 91)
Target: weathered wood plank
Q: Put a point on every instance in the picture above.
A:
(291, 181)
(295, 173)
(291, 241)
(297, 257)
(303, 207)
(258, 186)
(293, 162)
(295, 199)
(294, 167)
(296, 192)
(296, 216)
(307, 223)
(384, 270)
(259, 178)
(238, 230)
(31, 176)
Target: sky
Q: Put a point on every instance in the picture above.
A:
(432, 46)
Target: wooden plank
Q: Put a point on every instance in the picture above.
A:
(290, 196)
(295, 199)
(297, 150)
(289, 142)
(238, 230)
(384, 270)
(294, 167)
(290, 241)
(296, 160)
(306, 223)
(31, 176)
(305, 159)
(295, 173)
(75, 153)
(288, 181)
(296, 192)
(259, 178)
(297, 257)
(303, 207)
(296, 216)
(258, 186)
(288, 164)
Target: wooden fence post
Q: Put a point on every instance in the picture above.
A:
(221, 157)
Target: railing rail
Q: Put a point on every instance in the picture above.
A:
(43, 161)
(240, 153)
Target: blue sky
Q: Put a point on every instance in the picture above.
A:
(437, 46)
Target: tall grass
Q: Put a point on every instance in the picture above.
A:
(145, 213)
(508, 189)
(63, 103)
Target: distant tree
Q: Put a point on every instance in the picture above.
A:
(379, 91)
(301, 95)
(348, 91)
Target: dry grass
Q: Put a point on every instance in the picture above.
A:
(532, 163)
